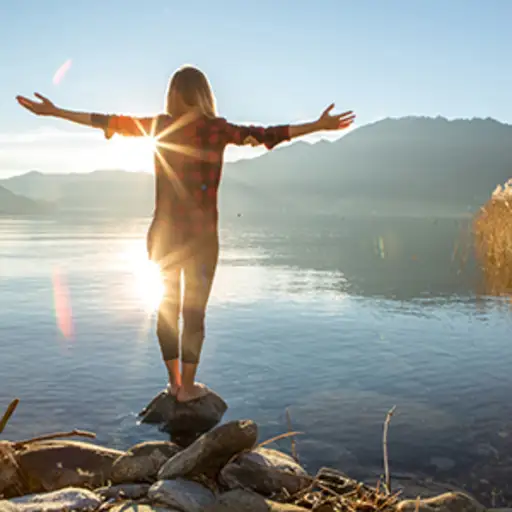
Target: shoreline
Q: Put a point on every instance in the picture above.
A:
(225, 468)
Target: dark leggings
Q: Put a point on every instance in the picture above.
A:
(197, 262)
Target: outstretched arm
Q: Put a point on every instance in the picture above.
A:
(273, 135)
(325, 122)
(110, 124)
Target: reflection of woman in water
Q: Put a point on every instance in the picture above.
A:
(183, 236)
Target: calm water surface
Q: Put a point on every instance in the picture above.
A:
(337, 322)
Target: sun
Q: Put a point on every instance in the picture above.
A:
(133, 153)
(147, 278)
(149, 285)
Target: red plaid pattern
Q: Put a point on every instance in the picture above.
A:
(188, 163)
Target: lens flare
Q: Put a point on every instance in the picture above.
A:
(63, 312)
(61, 72)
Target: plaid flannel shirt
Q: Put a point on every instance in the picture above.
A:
(188, 163)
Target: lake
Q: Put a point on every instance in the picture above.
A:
(336, 320)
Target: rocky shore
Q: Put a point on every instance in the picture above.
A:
(207, 467)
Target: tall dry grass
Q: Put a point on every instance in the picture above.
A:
(492, 229)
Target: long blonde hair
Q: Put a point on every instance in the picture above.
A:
(190, 86)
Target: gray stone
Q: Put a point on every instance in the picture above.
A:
(142, 462)
(196, 416)
(448, 502)
(128, 491)
(53, 465)
(133, 506)
(247, 501)
(10, 480)
(181, 494)
(212, 451)
(57, 501)
(7, 506)
(264, 471)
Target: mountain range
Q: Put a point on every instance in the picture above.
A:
(409, 165)
(13, 204)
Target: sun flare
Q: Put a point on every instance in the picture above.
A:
(133, 154)
(147, 279)
(149, 285)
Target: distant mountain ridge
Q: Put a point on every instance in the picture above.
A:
(13, 204)
(412, 164)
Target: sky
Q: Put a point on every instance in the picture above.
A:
(268, 61)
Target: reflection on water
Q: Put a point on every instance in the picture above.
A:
(335, 321)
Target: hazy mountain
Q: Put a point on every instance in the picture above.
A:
(408, 165)
(12, 204)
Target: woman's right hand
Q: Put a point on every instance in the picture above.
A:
(40, 108)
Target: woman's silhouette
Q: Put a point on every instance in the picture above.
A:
(183, 236)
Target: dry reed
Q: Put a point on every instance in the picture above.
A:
(492, 229)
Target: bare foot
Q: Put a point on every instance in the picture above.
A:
(173, 389)
(197, 391)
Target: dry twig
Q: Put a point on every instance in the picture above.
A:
(8, 413)
(387, 476)
(56, 435)
(277, 438)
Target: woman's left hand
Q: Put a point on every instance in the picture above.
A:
(335, 122)
(40, 108)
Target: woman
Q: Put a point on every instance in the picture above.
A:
(183, 236)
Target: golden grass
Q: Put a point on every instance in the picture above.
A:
(492, 229)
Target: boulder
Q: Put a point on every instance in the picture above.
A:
(57, 501)
(142, 462)
(264, 471)
(179, 419)
(133, 506)
(247, 501)
(7, 506)
(212, 451)
(448, 502)
(184, 495)
(127, 491)
(53, 465)
(10, 478)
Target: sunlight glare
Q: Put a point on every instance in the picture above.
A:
(147, 278)
(132, 154)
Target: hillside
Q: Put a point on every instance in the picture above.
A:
(407, 165)
(13, 204)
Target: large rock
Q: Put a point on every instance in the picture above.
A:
(142, 462)
(57, 501)
(448, 502)
(264, 471)
(126, 491)
(179, 419)
(10, 478)
(184, 495)
(212, 451)
(7, 506)
(133, 506)
(247, 501)
(53, 465)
